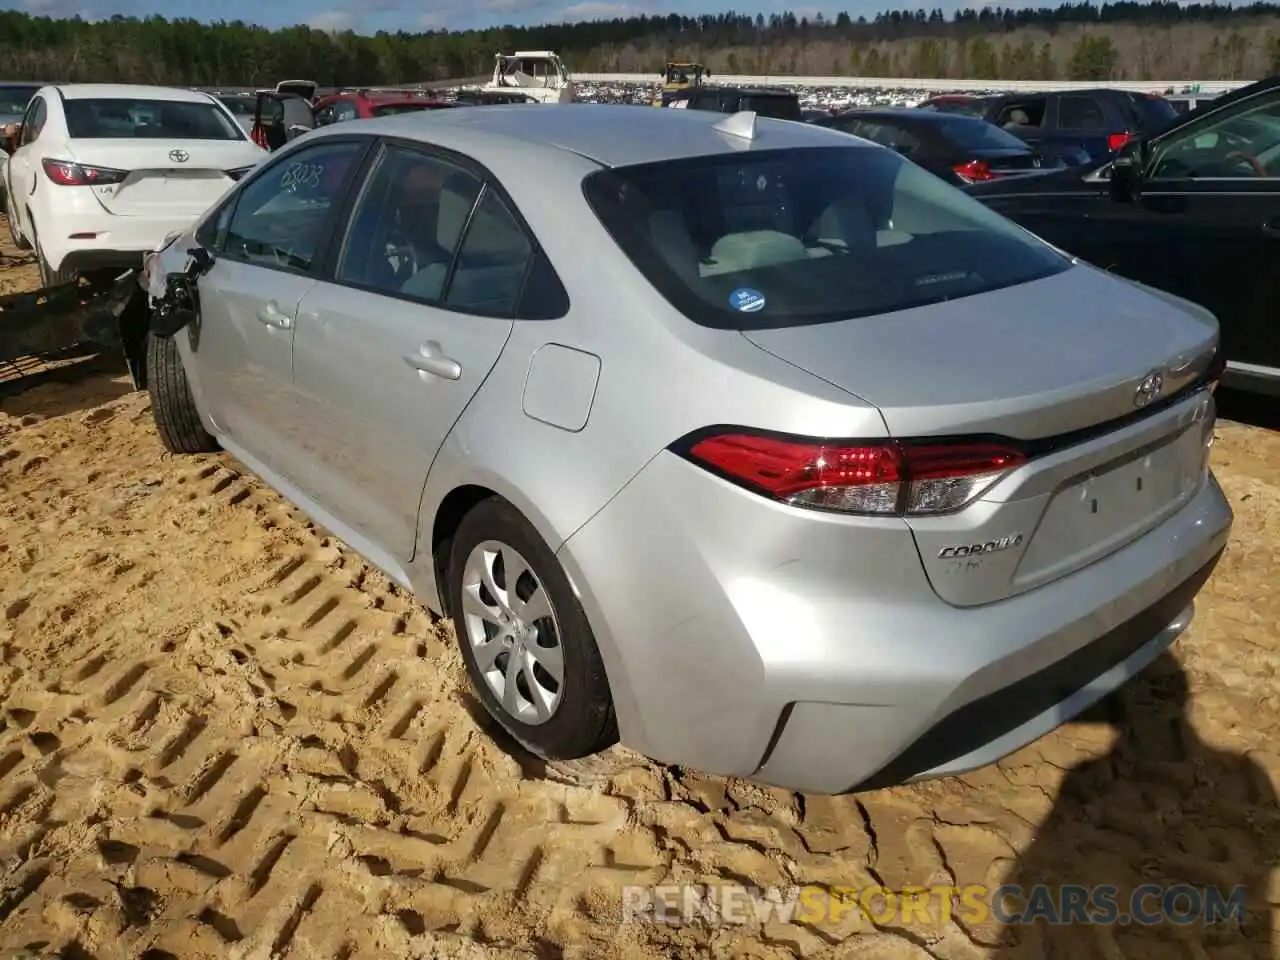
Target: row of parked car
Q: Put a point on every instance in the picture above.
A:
(293, 107)
(1184, 196)
(1188, 203)
(1196, 210)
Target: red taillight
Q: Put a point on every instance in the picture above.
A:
(974, 170)
(1117, 140)
(877, 477)
(67, 174)
(259, 136)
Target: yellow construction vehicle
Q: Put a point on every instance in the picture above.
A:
(679, 77)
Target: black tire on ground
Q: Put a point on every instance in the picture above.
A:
(48, 277)
(172, 405)
(584, 721)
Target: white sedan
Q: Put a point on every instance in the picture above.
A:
(101, 173)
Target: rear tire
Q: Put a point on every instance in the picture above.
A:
(581, 721)
(48, 276)
(15, 234)
(172, 405)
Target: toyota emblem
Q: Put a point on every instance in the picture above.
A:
(1149, 389)
(179, 156)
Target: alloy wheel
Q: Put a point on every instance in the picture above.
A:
(512, 632)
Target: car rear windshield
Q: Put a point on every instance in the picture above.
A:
(1153, 112)
(14, 100)
(126, 117)
(778, 238)
(974, 134)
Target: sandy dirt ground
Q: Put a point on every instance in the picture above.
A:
(223, 735)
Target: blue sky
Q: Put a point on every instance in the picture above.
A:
(368, 16)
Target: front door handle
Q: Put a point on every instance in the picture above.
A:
(430, 360)
(1272, 227)
(272, 316)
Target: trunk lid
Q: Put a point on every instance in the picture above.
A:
(1056, 363)
(159, 183)
(1003, 162)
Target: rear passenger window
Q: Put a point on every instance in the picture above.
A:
(1080, 113)
(406, 226)
(492, 262)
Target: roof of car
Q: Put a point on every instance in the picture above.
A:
(106, 91)
(911, 113)
(376, 96)
(610, 134)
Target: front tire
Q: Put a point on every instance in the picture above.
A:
(525, 640)
(172, 405)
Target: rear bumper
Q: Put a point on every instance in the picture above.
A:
(78, 233)
(809, 651)
(990, 727)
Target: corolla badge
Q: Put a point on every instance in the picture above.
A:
(956, 550)
(179, 156)
(1149, 389)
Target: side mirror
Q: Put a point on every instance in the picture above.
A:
(1127, 170)
(201, 260)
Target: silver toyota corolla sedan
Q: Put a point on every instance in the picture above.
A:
(746, 442)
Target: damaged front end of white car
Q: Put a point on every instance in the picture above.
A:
(169, 276)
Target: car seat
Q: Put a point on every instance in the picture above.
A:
(671, 238)
(433, 212)
(846, 222)
(1018, 118)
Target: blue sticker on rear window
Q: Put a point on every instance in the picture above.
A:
(746, 300)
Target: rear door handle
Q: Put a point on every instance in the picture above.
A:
(1272, 226)
(431, 360)
(272, 316)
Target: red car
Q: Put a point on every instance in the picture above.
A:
(366, 104)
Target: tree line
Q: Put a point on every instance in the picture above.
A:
(1076, 41)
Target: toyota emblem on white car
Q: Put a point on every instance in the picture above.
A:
(179, 156)
(1149, 389)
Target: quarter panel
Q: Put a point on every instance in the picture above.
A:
(642, 404)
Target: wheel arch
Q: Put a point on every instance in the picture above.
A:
(445, 511)
(441, 511)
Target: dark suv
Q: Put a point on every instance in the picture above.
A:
(1083, 127)
(764, 101)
